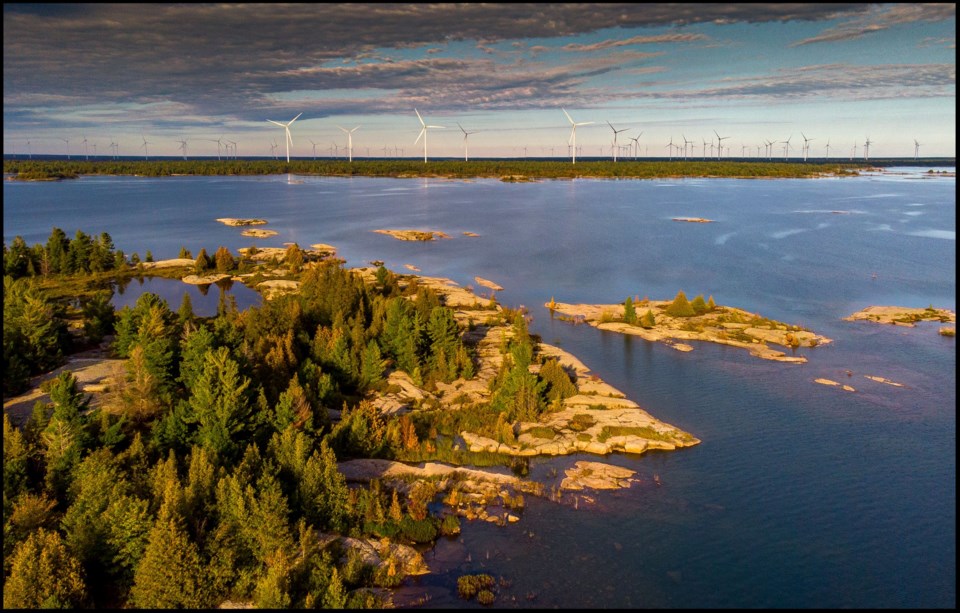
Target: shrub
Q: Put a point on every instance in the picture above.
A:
(485, 597)
(581, 421)
(629, 313)
(544, 432)
(945, 331)
(450, 525)
(469, 586)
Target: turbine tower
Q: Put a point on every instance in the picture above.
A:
(806, 146)
(286, 128)
(314, 148)
(233, 144)
(423, 133)
(916, 149)
(350, 140)
(615, 132)
(685, 143)
(465, 135)
(183, 147)
(828, 148)
(786, 147)
(636, 144)
(86, 149)
(720, 140)
(670, 147)
(705, 146)
(866, 150)
(146, 156)
(67, 140)
(573, 133)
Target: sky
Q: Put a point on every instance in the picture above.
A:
(116, 75)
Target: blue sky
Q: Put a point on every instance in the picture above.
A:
(834, 73)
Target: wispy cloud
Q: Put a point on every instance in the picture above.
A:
(881, 18)
(635, 40)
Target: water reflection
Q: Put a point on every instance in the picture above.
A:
(205, 303)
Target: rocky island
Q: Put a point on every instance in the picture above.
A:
(902, 316)
(698, 320)
(414, 235)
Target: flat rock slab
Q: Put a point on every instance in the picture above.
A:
(596, 476)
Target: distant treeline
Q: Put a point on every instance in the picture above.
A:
(517, 170)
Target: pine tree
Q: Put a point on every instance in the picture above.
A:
(648, 321)
(558, 381)
(202, 263)
(680, 307)
(629, 313)
(224, 260)
(293, 258)
(698, 305)
(220, 403)
(171, 573)
(43, 574)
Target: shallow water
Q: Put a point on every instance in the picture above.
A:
(800, 495)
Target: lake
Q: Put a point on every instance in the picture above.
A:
(800, 495)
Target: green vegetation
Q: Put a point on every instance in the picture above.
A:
(680, 307)
(208, 473)
(508, 170)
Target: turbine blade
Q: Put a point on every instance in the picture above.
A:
(295, 118)
(422, 130)
(419, 117)
(276, 123)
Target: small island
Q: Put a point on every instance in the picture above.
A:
(693, 219)
(232, 221)
(699, 320)
(259, 233)
(414, 235)
(902, 316)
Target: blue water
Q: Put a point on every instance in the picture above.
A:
(800, 495)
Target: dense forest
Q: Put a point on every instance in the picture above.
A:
(211, 472)
(509, 170)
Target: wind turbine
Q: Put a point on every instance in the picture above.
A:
(349, 140)
(67, 140)
(866, 149)
(670, 147)
(144, 146)
(828, 148)
(423, 133)
(234, 145)
(314, 148)
(30, 151)
(465, 135)
(286, 128)
(183, 147)
(705, 146)
(86, 150)
(720, 140)
(786, 147)
(685, 143)
(806, 146)
(916, 149)
(273, 149)
(573, 133)
(636, 144)
(615, 132)
(219, 142)
(114, 148)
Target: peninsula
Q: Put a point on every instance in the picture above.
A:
(697, 320)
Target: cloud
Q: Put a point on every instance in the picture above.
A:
(845, 81)
(882, 18)
(635, 40)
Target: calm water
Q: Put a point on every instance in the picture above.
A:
(800, 495)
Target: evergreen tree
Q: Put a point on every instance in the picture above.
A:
(698, 305)
(171, 573)
(648, 321)
(559, 385)
(56, 251)
(224, 260)
(293, 258)
(680, 307)
(202, 263)
(711, 305)
(219, 404)
(99, 316)
(371, 366)
(44, 575)
(185, 312)
(629, 313)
